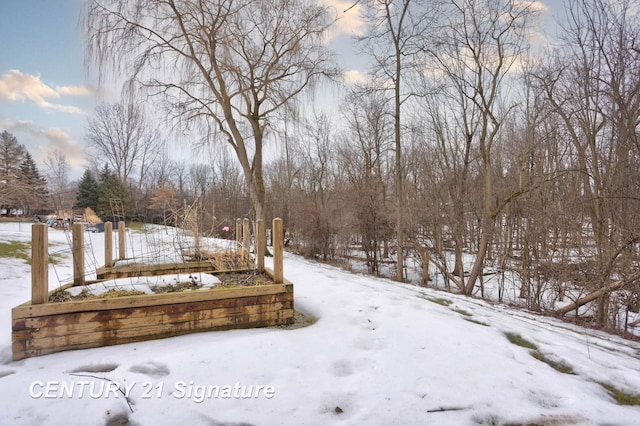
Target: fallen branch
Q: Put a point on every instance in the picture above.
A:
(126, 398)
(442, 409)
(616, 285)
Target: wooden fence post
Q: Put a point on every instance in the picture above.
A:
(39, 264)
(246, 235)
(261, 244)
(108, 244)
(121, 240)
(238, 234)
(77, 235)
(278, 248)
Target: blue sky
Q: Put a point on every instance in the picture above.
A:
(45, 93)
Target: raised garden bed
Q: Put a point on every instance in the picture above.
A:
(43, 327)
(79, 324)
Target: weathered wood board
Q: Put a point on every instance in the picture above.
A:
(135, 270)
(54, 327)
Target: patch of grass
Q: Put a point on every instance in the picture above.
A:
(477, 322)
(54, 259)
(516, 339)
(139, 227)
(20, 250)
(300, 320)
(461, 312)
(560, 366)
(438, 300)
(621, 397)
(15, 249)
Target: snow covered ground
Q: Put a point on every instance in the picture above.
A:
(380, 353)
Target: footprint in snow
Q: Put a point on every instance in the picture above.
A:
(369, 344)
(95, 368)
(6, 373)
(342, 368)
(151, 369)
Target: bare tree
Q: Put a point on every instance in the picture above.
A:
(57, 172)
(589, 87)
(393, 37)
(478, 49)
(121, 136)
(229, 65)
(316, 153)
(365, 149)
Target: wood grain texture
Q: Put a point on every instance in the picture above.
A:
(54, 327)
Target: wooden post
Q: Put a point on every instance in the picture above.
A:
(261, 244)
(122, 253)
(39, 264)
(238, 234)
(108, 244)
(278, 248)
(246, 235)
(77, 233)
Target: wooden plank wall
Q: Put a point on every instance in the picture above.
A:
(39, 332)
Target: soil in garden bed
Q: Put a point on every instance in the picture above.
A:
(242, 279)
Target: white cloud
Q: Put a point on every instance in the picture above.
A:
(16, 86)
(40, 142)
(539, 7)
(82, 90)
(349, 21)
(354, 76)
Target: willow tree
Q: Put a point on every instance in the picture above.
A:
(226, 65)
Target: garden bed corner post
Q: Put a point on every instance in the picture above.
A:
(108, 244)
(121, 240)
(77, 232)
(261, 244)
(39, 264)
(278, 248)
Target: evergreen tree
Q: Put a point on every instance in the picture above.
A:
(88, 191)
(11, 154)
(33, 185)
(111, 188)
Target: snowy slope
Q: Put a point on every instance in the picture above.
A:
(380, 353)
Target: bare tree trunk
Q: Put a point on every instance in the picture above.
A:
(616, 285)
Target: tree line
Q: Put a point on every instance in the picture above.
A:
(468, 148)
